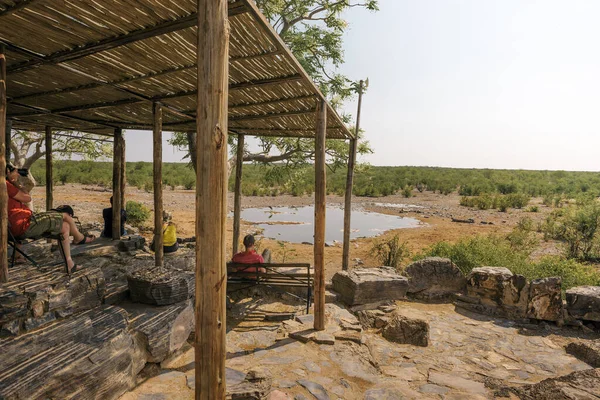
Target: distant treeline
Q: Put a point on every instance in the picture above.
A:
(370, 181)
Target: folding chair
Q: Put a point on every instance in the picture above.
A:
(15, 242)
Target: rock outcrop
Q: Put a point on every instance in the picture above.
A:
(406, 329)
(545, 299)
(583, 302)
(160, 286)
(434, 278)
(587, 351)
(369, 285)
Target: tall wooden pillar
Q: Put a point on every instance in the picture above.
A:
(123, 171)
(349, 184)
(3, 193)
(319, 249)
(211, 198)
(49, 172)
(237, 200)
(8, 138)
(158, 193)
(117, 204)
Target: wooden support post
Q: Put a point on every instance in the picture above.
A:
(3, 192)
(211, 198)
(349, 184)
(237, 200)
(320, 190)
(8, 138)
(158, 194)
(49, 174)
(117, 206)
(123, 172)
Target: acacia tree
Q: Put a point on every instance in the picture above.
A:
(28, 147)
(313, 30)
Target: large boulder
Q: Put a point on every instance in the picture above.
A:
(434, 278)
(89, 356)
(545, 299)
(369, 285)
(160, 286)
(500, 290)
(406, 329)
(583, 302)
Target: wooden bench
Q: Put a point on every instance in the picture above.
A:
(282, 275)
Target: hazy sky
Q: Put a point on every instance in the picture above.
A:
(473, 83)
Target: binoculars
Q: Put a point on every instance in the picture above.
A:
(23, 171)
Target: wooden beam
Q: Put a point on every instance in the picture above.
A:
(211, 198)
(117, 206)
(237, 200)
(320, 191)
(42, 111)
(265, 82)
(98, 46)
(349, 184)
(16, 7)
(49, 172)
(157, 175)
(123, 171)
(3, 192)
(8, 138)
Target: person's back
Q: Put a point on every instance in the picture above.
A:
(107, 215)
(250, 256)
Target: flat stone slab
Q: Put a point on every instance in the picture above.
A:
(583, 302)
(92, 355)
(456, 382)
(576, 385)
(369, 285)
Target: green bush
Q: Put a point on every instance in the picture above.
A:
(497, 251)
(407, 192)
(390, 252)
(137, 213)
(533, 209)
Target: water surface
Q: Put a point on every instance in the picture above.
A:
(295, 224)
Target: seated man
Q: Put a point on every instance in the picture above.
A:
(250, 256)
(108, 220)
(24, 224)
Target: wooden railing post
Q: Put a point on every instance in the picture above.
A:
(117, 205)
(349, 184)
(3, 192)
(320, 191)
(49, 172)
(211, 198)
(237, 199)
(158, 194)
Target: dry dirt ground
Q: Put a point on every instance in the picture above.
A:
(435, 215)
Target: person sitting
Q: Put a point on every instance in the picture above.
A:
(24, 224)
(170, 241)
(107, 214)
(250, 256)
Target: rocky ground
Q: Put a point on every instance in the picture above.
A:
(469, 357)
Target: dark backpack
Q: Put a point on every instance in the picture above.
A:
(65, 209)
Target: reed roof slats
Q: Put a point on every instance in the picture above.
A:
(96, 65)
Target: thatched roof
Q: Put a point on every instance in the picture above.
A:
(97, 65)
